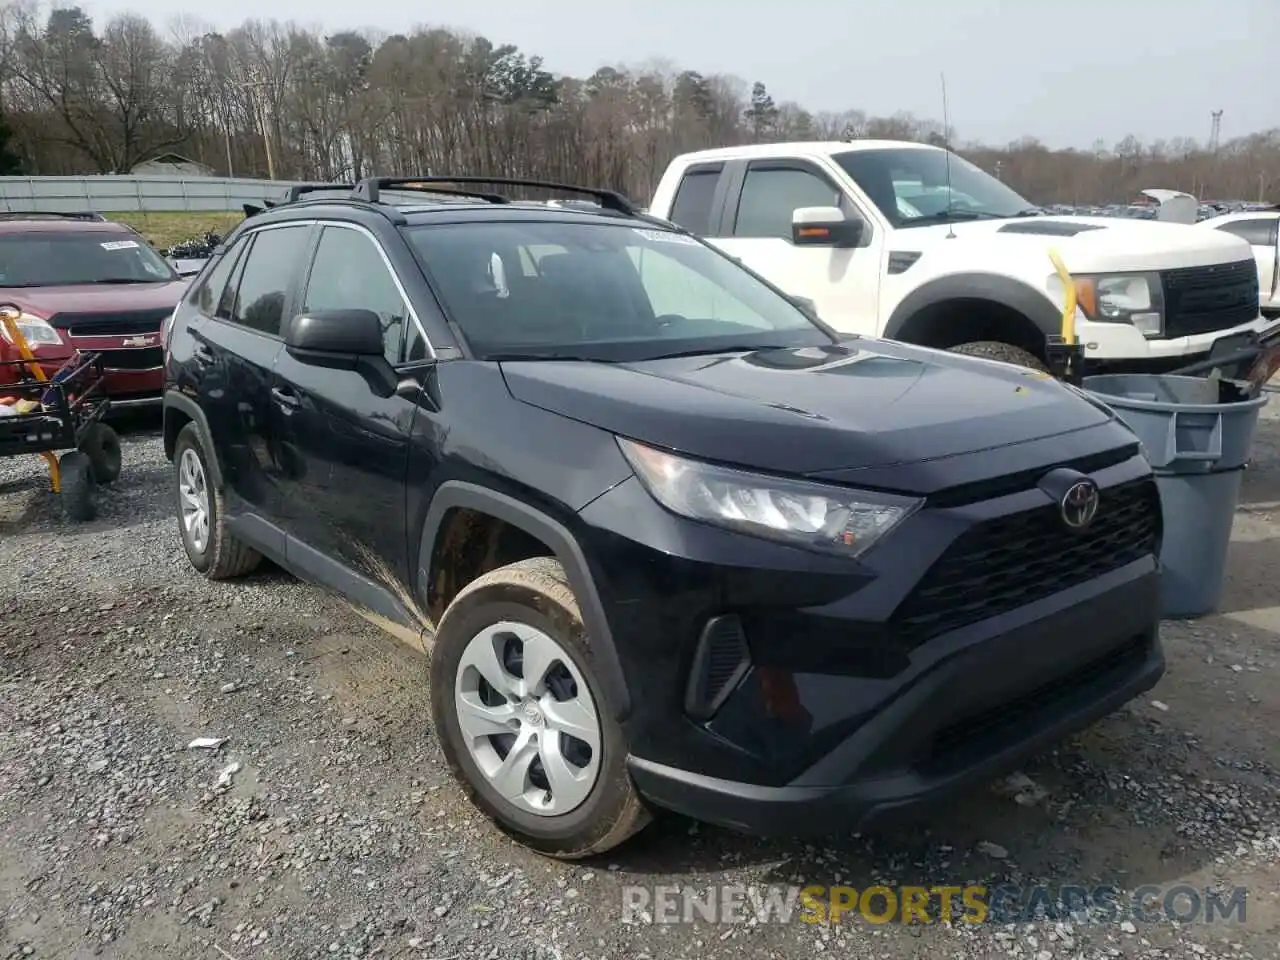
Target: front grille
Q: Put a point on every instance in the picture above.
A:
(1006, 563)
(122, 323)
(1204, 299)
(145, 358)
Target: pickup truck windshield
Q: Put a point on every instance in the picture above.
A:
(909, 185)
(591, 291)
(80, 257)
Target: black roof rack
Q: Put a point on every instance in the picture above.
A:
(299, 189)
(51, 214)
(370, 188)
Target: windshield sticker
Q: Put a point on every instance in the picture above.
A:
(662, 236)
(119, 245)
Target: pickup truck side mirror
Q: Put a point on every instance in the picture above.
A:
(824, 227)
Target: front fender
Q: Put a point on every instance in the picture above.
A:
(1014, 294)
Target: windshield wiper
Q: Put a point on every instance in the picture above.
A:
(724, 348)
(500, 357)
(944, 216)
(123, 280)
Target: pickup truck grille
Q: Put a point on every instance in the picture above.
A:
(1008, 562)
(1205, 299)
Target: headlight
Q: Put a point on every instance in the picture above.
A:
(1133, 298)
(811, 515)
(33, 329)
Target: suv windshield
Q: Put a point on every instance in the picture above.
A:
(910, 186)
(80, 257)
(601, 292)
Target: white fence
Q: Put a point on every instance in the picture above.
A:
(111, 194)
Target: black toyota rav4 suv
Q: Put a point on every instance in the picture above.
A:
(678, 543)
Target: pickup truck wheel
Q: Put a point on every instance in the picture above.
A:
(520, 716)
(1004, 352)
(211, 547)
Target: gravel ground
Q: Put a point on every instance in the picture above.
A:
(325, 825)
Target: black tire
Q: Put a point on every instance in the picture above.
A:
(223, 556)
(77, 483)
(1004, 352)
(101, 444)
(535, 592)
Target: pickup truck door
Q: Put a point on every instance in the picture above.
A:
(755, 226)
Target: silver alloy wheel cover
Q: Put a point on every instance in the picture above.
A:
(193, 500)
(530, 712)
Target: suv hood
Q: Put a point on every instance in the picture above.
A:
(95, 298)
(1095, 244)
(806, 410)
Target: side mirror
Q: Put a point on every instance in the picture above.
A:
(824, 227)
(335, 338)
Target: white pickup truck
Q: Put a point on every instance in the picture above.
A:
(911, 242)
(1261, 230)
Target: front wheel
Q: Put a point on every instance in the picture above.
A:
(211, 547)
(1003, 352)
(520, 716)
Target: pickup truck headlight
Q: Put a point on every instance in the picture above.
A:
(1133, 298)
(33, 329)
(810, 515)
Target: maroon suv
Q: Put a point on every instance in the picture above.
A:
(83, 282)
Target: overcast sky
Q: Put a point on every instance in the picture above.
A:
(1067, 73)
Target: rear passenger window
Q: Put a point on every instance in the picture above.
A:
(691, 208)
(210, 291)
(270, 267)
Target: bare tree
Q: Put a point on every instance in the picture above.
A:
(271, 97)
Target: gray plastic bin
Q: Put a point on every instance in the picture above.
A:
(1187, 424)
(1198, 434)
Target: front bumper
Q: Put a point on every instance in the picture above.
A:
(964, 723)
(1120, 343)
(841, 691)
(126, 386)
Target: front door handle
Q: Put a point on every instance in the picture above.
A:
(285, 398)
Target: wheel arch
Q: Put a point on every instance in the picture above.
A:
(179, 410)
(457, 494)
(1018, 311)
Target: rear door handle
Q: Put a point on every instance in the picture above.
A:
(285, 398)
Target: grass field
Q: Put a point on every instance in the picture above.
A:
(166, 229)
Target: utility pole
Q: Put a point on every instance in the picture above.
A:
(260, 109)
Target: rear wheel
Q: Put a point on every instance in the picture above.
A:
(520, 715)
(101, 444)
(77, 486)
(1004, 352)
(211, 548)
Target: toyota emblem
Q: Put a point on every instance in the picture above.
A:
(1079, 505)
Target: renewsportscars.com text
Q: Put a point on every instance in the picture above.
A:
(918, 904)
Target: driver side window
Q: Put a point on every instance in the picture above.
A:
(675, 290)
(770, 195)
(348, 272)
